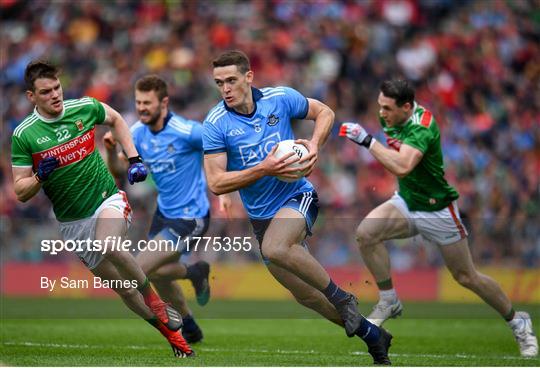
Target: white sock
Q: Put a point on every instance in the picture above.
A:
(516, 321)
(388, 295)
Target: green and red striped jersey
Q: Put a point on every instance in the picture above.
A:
(424, 188)
(82, 181)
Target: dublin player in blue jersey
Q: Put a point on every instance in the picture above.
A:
(240, 136)
(172, 149)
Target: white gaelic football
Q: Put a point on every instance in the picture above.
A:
(287, 146)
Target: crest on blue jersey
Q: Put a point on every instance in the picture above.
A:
(170, 148)
(272, 120)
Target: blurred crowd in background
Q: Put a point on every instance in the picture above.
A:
(475, 65)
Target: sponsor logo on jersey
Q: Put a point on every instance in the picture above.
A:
(236, 132)
(70, 152)
(79, 125)
(272, 120)
(252, 154)
(170, 148)
(161, 166)
(42, 140)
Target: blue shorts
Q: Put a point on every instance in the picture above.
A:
(172, 229)
(306, 203)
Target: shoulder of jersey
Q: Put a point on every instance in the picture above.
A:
(27, 122)
(422, 117)
(32, 118)
(75, 103)
(216, 113)
(136, 127)
(272, 92)
(181, 125)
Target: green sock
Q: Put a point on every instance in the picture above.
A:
(385, 284)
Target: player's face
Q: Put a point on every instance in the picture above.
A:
(47, 96)
(391, 113)
(233, 85)
(149, 107)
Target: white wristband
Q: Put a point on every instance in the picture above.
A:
(373, 140)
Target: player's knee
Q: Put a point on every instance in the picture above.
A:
(466, 279)
(275, 254)
(364, 235)
(158, 276)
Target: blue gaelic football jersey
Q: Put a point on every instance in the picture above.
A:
(174, 156)
(247, 140)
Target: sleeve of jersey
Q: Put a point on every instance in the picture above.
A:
(419, 137)
(100, 111)
(196, 136)
(20, 156)
(297, 103)
(213, 139)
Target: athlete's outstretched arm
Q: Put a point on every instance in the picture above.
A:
(324, 119)
(221, 181)
(25, 183)
(399, 163)
(120, 130)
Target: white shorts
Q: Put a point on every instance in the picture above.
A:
(86, 228)
(440, 227)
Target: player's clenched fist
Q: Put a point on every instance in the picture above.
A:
(357, 134)
(46, 167)
(109, 141)
(136, 170)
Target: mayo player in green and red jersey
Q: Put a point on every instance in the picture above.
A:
(425, 204)
(54, 149)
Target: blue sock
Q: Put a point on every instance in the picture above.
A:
(189, 323)
(334, 293)
(368, 331)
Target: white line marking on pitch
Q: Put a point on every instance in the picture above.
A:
(263, 351)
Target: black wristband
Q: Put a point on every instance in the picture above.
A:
(134, 160)
(367, 141)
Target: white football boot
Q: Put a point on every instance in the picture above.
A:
(521, 326)
(384, 310)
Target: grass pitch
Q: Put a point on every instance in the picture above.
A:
(81, 332)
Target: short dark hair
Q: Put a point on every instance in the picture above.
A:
(233, 57)
(398, 89)
(153, 82)
(39, 69)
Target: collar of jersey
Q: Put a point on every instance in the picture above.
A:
(415, 106)
(257, 95)
(165, 122)
(47, 120)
